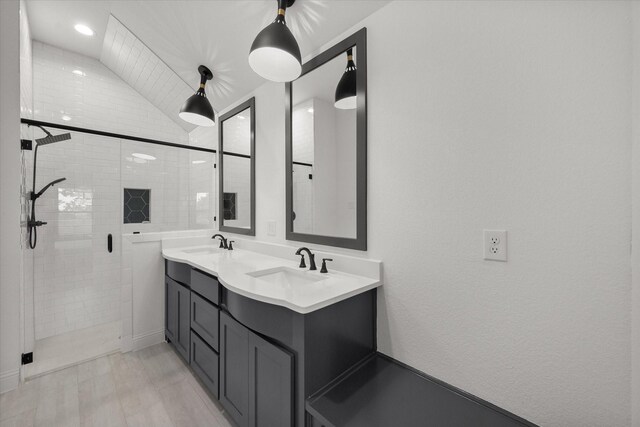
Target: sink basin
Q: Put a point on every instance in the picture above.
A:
(285, 276)
(201, 251)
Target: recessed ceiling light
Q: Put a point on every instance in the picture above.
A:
(79, 73)
(198, 162)
(66, 118)
(310, 110)
(83, 29)
(143, 156)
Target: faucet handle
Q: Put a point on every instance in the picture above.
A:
(302, 263)
(323, 269)
(231, 245)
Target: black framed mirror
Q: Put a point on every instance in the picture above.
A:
(326, 147)
(237, 169)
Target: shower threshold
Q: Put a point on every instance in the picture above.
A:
(71, 348)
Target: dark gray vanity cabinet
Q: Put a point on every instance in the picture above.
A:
(170, 309)
(204, 320)
(204, 362)
(191, 320)
(177, 316)
(204, 329)
(382, 392)
(270, 384)
(234, 369)
(256, 377)
(262, 361)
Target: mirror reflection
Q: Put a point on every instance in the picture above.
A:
(236, 165)
(324, 149)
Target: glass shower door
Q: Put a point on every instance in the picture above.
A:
(77, 284)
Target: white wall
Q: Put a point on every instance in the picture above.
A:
(324, 182)
(143, 303)
(510, 115)
(10, 256)
(346, 180)
(635, 393)
(514, 115)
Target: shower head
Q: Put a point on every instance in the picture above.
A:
(50, 139)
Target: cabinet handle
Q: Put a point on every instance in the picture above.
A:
(110, 243)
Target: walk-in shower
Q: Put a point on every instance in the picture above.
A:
(32, 223)
(79, 279)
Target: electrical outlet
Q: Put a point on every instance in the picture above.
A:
(495, 245)
(271, 228)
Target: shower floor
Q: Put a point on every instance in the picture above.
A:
(64, 350)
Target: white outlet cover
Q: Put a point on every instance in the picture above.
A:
(495, 245)
(271, 228)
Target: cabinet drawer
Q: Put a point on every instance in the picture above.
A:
(178, 271)
(204, 319)
(205, 285)
(204, 362)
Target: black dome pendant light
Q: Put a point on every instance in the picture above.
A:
(275, 54)
(197, 109)
(346, 89)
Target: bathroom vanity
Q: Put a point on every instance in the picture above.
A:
(261, 334)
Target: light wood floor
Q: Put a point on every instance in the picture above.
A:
(151, 387)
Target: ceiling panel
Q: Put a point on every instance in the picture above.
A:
(125, 55)
(185, 34)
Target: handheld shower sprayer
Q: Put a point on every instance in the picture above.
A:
(34, 196)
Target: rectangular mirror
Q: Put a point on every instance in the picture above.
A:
(236, 145)
(326, 148)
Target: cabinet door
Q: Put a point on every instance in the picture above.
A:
(183, 332)
(234, 369)
(204, 362)
(270, 384)
(171, 309)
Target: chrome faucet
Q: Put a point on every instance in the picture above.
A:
(223, 241)
(312, 258)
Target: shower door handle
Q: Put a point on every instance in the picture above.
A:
(110, 243)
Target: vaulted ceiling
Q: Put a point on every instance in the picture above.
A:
(185, 34)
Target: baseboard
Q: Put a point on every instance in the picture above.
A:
(9, 380)
(126, 344)
(146, 340)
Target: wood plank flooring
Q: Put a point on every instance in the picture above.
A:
(148, 388)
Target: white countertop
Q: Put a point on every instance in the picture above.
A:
(231, 268)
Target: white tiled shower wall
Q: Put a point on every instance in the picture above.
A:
(76, 282)
(95, 99)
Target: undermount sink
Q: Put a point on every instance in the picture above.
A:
(208, 250)
(285, 276)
